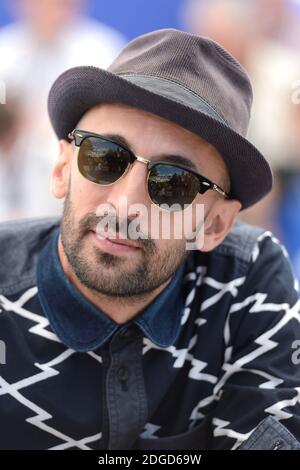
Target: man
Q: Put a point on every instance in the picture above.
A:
(121, 342)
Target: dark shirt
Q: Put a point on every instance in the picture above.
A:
(200, 368)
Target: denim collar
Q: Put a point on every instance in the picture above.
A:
(82, 326)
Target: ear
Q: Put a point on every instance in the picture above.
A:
(61, 170)
(219, 222)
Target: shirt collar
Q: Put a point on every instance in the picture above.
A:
(82, 326)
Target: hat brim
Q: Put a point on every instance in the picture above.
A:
(79, 89)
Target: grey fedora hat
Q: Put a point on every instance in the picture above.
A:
(187, 79)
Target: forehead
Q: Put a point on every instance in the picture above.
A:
(149, 135)
(113, 114)
(133, 123)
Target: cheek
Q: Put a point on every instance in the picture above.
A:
(86, 196)
(187, 227)
(185, 223)
(172, 226)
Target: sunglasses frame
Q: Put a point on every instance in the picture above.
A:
(78, 136)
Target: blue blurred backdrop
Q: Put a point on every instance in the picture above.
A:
(130, 17)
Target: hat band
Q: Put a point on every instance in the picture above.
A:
(174, 91)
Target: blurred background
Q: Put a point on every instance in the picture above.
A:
(39, 39)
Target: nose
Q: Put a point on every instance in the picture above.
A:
(132, 186)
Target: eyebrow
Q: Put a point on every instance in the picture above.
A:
(179, 159)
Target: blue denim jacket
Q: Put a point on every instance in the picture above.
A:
(270, 435)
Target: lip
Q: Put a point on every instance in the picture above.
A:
(113, 246)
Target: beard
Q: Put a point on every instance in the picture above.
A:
(111, 275)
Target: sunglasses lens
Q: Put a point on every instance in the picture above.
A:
(168, 184)
(101, 161)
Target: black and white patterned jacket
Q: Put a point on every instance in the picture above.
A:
(231, 378)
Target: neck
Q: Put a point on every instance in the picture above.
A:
(118, 309)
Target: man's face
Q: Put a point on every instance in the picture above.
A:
(136, 271)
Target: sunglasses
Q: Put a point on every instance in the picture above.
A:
(103, 161)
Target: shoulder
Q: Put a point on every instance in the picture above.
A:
(240, 241)
(256, 255)
(21, 241)
(266, 263)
